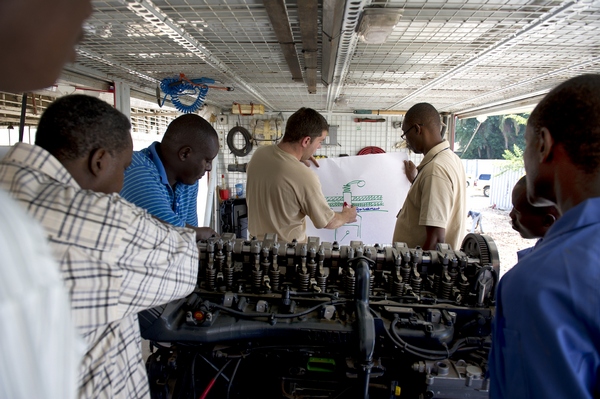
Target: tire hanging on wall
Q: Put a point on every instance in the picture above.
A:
(240, 152)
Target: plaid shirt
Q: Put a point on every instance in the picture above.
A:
(116, 260)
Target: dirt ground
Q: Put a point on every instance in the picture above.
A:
(497, 225)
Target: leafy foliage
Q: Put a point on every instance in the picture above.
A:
(515, 158)
(490, 138)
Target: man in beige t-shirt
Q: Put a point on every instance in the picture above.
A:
(281, 191)
(435, 207)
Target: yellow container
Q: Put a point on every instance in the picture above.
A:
(247, 109)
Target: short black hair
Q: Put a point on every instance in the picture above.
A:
(189, 129)
(306, 122)
(75, 125)
(571, 113)
(426, 114)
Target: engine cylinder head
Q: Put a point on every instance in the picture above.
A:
(228, 273)
(436, 283)
(322, 283)
(275, 275)
(446, 289)
(463, 285)
(303, 281)
(211, 275)
(405, 273)
(398, 288)
(219, 260)
(416, 281)
(265, 263)
(453, 273)
(312, 269)
(257, 274)
(350, 283)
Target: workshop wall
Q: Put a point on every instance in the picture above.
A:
(346, 137)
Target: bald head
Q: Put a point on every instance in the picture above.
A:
(425, 114)
(188, 129)
(421, 128)
(188, 148)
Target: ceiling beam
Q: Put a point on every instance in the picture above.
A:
(346, 48)
(308, 15)
(333, 14)
(524, 103)
(281, 25)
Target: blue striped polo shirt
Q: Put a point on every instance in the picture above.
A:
(147, 186)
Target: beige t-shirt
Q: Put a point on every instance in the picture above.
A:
(436, 198)
(281, 191)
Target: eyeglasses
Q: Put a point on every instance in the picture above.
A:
(403, 135)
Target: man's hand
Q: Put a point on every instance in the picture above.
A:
(411, 170)
(203, 233)
(435, 236)
(311, 159)
(349, 213)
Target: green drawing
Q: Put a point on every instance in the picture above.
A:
(363, 203)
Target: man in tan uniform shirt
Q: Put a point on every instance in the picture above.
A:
(281, 191)
(435, 208)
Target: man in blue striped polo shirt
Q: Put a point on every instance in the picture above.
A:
(163, 178)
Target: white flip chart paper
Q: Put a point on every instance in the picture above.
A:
(376, 184)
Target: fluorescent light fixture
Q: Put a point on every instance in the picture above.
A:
(377, 24)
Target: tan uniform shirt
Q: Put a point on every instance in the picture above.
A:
(281, 191)
(436, 198)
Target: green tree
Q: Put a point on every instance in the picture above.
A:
(488, 138)
(515, 158)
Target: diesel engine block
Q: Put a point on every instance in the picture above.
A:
(321, 320)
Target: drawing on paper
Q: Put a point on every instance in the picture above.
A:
(363, 203)
(375, 184)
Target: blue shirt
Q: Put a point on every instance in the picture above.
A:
(526, 251)
(147, 186)
(546, 341)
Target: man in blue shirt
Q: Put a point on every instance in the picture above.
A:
(546, 333)
(477, 221)
(163, 178)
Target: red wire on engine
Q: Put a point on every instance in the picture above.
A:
(212, 382)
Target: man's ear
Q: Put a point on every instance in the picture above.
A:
(548, 220)
(546, 148)
(305, 141)
(97, 161)
(184, 152)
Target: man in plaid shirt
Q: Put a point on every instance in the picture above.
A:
(115, 258)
